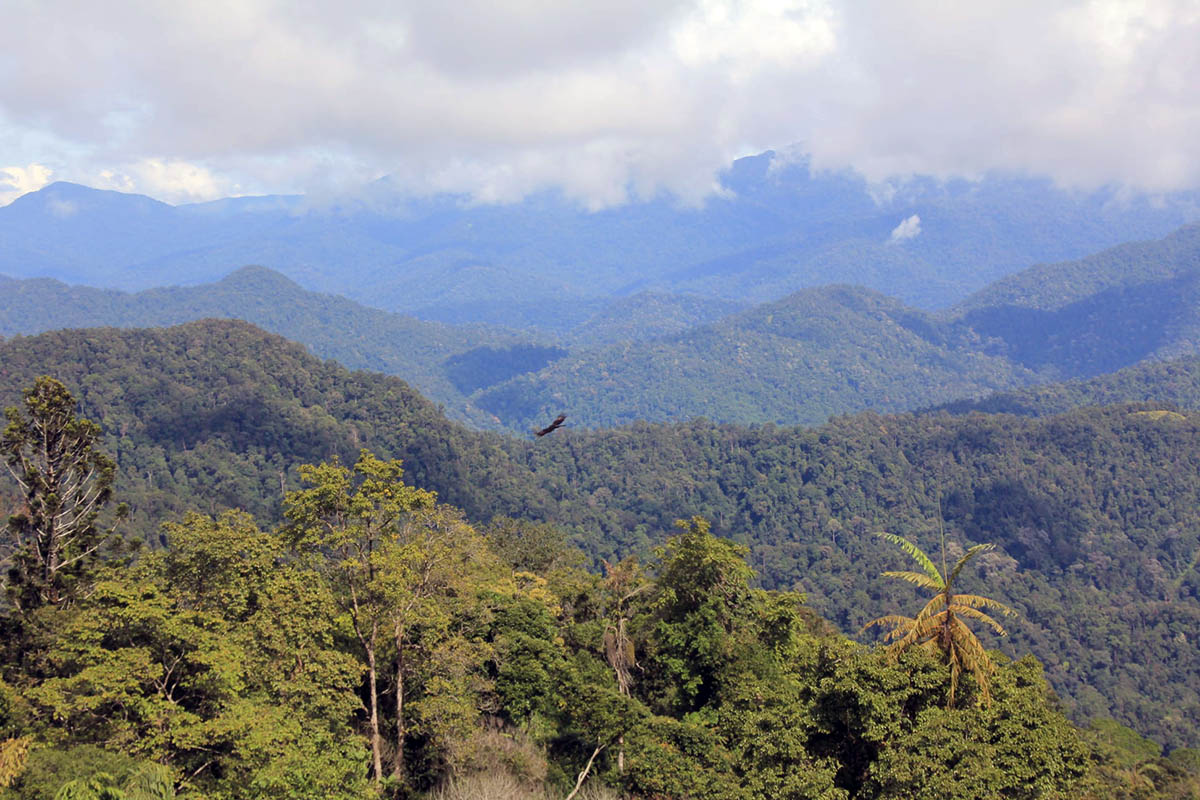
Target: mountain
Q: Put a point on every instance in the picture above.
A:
(1096, 315)
(777, 226)
(647, 315)
(1095, 513)
(817, 353)
(1166, 384)
(331, 326)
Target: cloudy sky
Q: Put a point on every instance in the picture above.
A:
(606, 99)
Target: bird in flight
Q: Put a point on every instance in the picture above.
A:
(552, 427)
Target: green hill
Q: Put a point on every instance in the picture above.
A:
(1169, 384)
(817, 353)
(1084, 318)
(1096, 513)
(330, 326)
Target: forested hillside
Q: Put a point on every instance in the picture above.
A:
(1169, 384)
(1095, 512)
(330, 326)
(1108, 311)
(814, 354)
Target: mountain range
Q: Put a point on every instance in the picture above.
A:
(816, 353)
(776, 226)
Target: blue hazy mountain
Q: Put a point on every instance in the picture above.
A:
(547, 262)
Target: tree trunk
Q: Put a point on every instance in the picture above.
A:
(376, 741)
(398, 765)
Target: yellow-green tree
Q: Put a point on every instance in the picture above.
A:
(351, 520)
(940, 625)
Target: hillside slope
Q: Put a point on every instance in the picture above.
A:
(817, 353)
(331, 326)
(1171, 384)
(1096, 513)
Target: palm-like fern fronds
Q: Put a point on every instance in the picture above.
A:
(939, 624)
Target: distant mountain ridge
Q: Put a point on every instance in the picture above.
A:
(332, 327)
(814, 354)
(1163, 385)
(546, 263)
(817, 353)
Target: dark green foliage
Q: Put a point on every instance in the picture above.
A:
(482, 367)
(799, 360)
(358, 336)
(1094, 513)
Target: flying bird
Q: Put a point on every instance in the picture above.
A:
(553, 426)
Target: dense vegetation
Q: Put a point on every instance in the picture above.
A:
(1169, 384)
(330, 326)
(817, 353)
(1095, 513)
(376, 644)
(800, 360)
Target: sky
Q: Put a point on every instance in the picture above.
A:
(605, 100)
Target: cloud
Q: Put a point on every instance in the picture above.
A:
(16, 181)
(908, 229)
(605, 100)
(172, 181)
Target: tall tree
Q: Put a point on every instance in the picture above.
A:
(65, 479)
(622, 583)
(351, 520)
(939, 624)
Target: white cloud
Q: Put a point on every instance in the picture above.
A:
(909, 228)
(172, 181)
(16, 181)
(606, 100)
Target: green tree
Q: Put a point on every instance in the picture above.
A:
(149, 782)
(350, 519)
(217, 658)
(703, 585)
(55, 539)
(939, 624)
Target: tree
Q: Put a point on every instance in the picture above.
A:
(939, 624)
(350, 519)
(701, 592)
(622, 583)
(65, 479)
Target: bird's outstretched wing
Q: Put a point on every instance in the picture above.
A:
(553, 426)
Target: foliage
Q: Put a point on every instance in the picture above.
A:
(940, 625)
(65, 481)
(1094, 513)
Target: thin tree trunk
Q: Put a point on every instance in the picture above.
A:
(398, 765)
(376, 742)
(586, 769)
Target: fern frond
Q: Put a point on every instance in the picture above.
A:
(915, 578)
(975, 614)
(979, 601)
(895, 620)
(973, 551)
(919, 556)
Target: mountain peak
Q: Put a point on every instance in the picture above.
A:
(64, 200)
(255, 276)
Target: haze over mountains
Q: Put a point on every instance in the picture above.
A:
(548, 263)
(815, 353)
